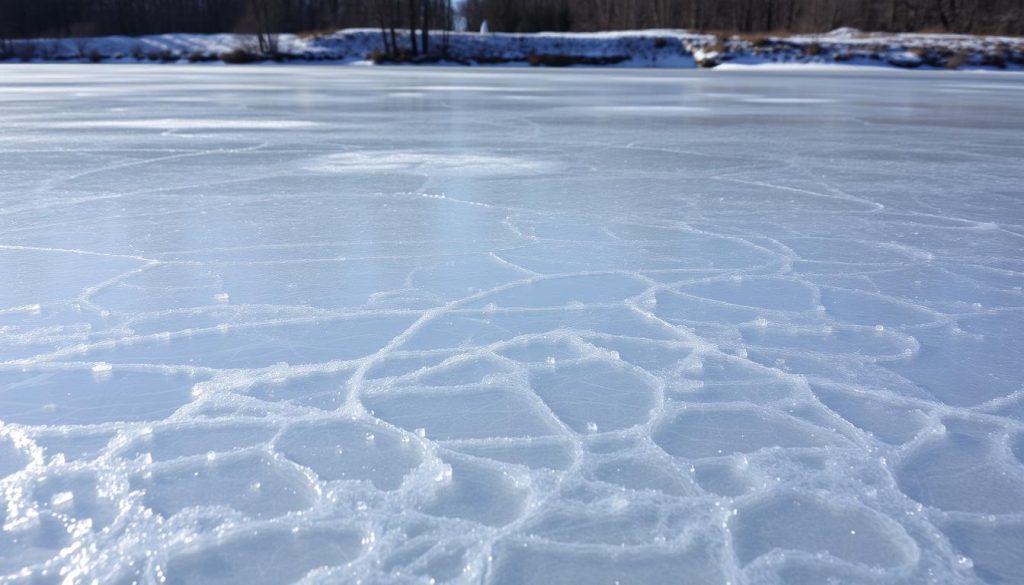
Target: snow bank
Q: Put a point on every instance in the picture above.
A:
(903, 50)
(647, 48)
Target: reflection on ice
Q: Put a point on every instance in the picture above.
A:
(431, 325)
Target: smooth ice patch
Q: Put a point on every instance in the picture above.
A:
(66, 397)
(252, 484)
(804, 523)
(261, 345)
(706, 431)
(277, 555)
(12, 458)
(523, 563)
(351, 451)
(468, 414)
(590, 397)
(480, 494)
(768, 293)
(560, 292)
(965, 472)
(169, 443)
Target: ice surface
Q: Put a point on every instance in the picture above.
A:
(509, 326)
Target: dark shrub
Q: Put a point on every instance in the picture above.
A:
(49, 51)
(239, 57)
(550, 60)
(82, 49)
(568, 60)
(26, 51)
(994, 59)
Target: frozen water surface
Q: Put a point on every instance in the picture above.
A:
(272, 324)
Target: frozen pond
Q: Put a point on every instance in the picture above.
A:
(510, 326)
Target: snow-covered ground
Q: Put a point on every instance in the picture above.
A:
(508, 326)
(653, 47)
(646, 48)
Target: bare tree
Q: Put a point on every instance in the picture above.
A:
(425, 42)
(412, 15)
(266, 18)
(266, 15)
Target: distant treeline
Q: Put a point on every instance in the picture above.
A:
(751, 16)
(35, 18)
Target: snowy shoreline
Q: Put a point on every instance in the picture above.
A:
(647, 48)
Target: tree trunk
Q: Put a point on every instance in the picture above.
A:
(383, 28)
(426, 26)
(412, 27)
(394, 19)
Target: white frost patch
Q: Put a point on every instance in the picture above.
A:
(468, 88)
(185, 124)
(665, 110)
(422, 162)
(806, 67)
(783, 100)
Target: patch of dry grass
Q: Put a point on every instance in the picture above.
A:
(309, 35)
(958, 60)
